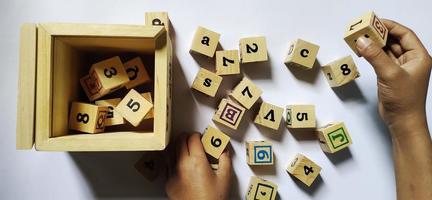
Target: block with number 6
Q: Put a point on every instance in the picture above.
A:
(134, 107)
(341, 71)
(214, 141)
(87, 118)
(246, 93)
(136, 72)
(300, 116)
(304, 169)
(259, 153)
(334, 137)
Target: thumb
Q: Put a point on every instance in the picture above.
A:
(225, 169)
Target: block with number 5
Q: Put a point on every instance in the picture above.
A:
(136, 72)
(134, 107)
(304, 169)
(300, 116)
(334, 137)
(214, 141)
(259, 153)
(87, 118)
(341, 71)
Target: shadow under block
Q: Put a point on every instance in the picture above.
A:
(341, 71)
(113, 117)
(87, 118)
(334, 137)
(227, 62)
(261, 189)
(150, 165)
(269, 116)
(207, 82)
(229, 113)
(253, 49)
(158, 19)
(300, 116)
(302, 54)
(246, 93)
(304, 169)
(134, 107)
(369, 26)
(214, 141)
(205, 42)
(136, 72)
(259, 153)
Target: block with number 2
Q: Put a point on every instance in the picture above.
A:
(246, 93)
(214, 141)
(304, 169)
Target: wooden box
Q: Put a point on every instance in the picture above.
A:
(53, 57)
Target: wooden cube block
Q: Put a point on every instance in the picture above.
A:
(259, 153)
(205, 42)
(136, 72)
(261, 189)
(334, 137)
(246, 93)
(134, 107)
(302, 54)
(207, 82)
(92, 86)
(304, 169)
(300, 116)
(214, 141)
(227, 62)
(150, 165)
(87, 118)
(113, 117)
(253, 49)
(229, 113)
(369, 26)
(269, 116)
(157, 19)
(214, 166)
(341, 71)
(148, 97)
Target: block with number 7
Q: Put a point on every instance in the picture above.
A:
(246, 93)
(334, 137)
(304, 169)
(214, 141)
(134, 107)
(259, 153)
(341, 71)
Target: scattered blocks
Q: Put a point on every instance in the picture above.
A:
(87, 118)
(304, 169)
(334, 137)
(113, 117)
(148, 97)
(157, 19)
(253, 49)
(369, 26)
(229, 113)
(214, 141)
(207, 82)
(205, 42)
(136, 72)
(150, 165)
(302, 54)
(261, 189)
(341, 71)
(300, 116)
(227, 62)
(246, 93)
(259, 153)
(269, 116)
(134, 107)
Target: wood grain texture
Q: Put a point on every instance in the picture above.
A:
(341, 71)
(207, 82)
(205, 42)
(253, 49)
(304, 169)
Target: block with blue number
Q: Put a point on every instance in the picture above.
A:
(304, 169)
(259, 153)
(300, 116)
(214, 141)
(205, 42)
(253, 49)
(246, 93)
(136, 72)
(261, 189)
(341, 71)
(334, 137)
(302, 54)
(113, 117)
(207, 82)
(87, 118)
(134, 107)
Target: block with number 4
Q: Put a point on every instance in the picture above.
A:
(87, 118)
(261, 189)
(150, 165)
(334, 137)
(369, 26)
(136, 72)
(304, 169)
(302, 53)
(269, 116)
(214, 141)
(134, 107)
(229, 113)
(157, 19)
(246, 93)
(341, 71)
(113, 117)
(227, 62)
(205, 42)
(300, 116)
(253, 49)
(259, 153)
(207, 82)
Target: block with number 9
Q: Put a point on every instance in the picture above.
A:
(87, 118)
(214, 141)
(334, 137)
(304, 169)
(259, 153)
(341, 71)
(134, 107)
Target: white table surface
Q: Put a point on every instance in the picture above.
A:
(365, 171)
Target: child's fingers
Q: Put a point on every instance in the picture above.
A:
(182, 148)
(225, 166)
(195, 146)
(406, 37)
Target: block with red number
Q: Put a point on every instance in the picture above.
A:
(229, 113)
(261, 189)
(269, 116)
(87, 118)
(369, 26)
(113, 117)
(300, 116)
(246, 93)
(134, 107)
(304, 169)
(341, 71)
(214, 141)
(334, 137)
(259, 153)
(136, 72)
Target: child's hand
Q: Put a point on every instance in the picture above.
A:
(403, 71)
(193, 177)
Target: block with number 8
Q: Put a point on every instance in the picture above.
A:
(87, 118)
(113, 117)
(136, 72)
(259, 153)
(304, 169)
(134, 107)
(341, 71)
(214, 141)
(334, 137)
(300, 116)
(246, 93)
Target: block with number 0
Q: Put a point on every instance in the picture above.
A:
(341, 71)
(87, 118)
(227, 62)
(334, 137)
(261, 189)
(214, 141)
(136, 72)
(259, 153)
(134, 107)
(304, 169)
(113, 117)
(246, 93)
(253, 49)
(300, 116)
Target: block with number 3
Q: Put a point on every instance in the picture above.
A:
(259, 153)
(136, 72)
(304, 169)
(246, 93)
(334, 137)
(87, 118)
(341, 71)
(134, 107)
(214, 141)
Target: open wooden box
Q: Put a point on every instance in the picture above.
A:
(53, 57)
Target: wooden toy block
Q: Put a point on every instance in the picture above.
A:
(214, 141)
(205, 42)
(259, 153)
(300, 116)
(261, 189)
(158, 19)
(304, 169)
(113, 117)
(136, 72)
(229, 113)
(253, 49)
(302, 54)
(246, 93)
(150, 165)
(334, 137)
(134, 107)
(269, 116)
(341, 71)
(207, 82)
(214, 167)
(227, 62)
(369, 26)
(87, 118)
(148, 97)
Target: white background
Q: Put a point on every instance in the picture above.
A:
(365, 171)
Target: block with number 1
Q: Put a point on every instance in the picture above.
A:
(334, 137)
(134, 107)
(304, 169)
(214, 141)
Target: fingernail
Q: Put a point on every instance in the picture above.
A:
(363, 42)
